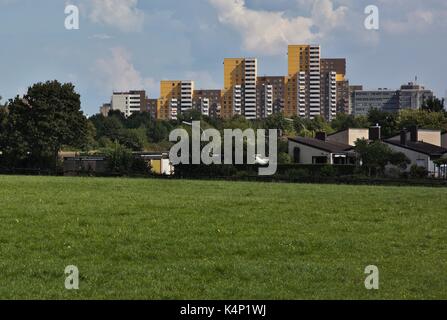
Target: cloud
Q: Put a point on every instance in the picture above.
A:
(416, 21)
(117, 73)
(202, 79)
(268, 32)
(100, 36)
(121, 14)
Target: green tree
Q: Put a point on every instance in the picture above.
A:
(138, 120)
(345, 121)
(422, 119)
(47, 118)
(133, 139)
(433, 105)
(120, 158)
(386, 120)
(3, 126)
(376, 155)
(277, 121)
(159, 131)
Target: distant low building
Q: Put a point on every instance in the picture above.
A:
(159, 161)
(129, 102)
(105, 109)
(320, 151)
(409, 96)
(84, 165)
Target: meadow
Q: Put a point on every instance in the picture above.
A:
(181, 239)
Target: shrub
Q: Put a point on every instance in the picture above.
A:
(328, 171)
(297, 174)
(417, 172)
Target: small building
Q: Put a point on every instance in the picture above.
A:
(320, 150)
(420, 153)
(77, 165)
(159, 161)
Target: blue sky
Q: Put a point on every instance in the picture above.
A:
(133, 44)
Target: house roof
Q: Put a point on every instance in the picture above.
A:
(422, 147)
(328, 146)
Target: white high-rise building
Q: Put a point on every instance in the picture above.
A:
(268, 100)
(237, 100)
(302, 94)
(129, 102)
(332, 95)
(205, 106)
(314, 82)
(251, 74)
(187, 89)
(173, 108)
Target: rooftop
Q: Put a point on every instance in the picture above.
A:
(328, 146)
(422, 147)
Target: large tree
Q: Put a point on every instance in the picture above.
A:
(44, 120)
(433, 105)
(422, 119)
(3, 122)
(376, 155)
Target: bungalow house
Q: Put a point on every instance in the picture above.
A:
(419, 152)
(320, 150)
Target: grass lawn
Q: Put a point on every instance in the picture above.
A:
(156, 239)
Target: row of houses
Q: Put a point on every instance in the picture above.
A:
(421, 146)
(74, 164)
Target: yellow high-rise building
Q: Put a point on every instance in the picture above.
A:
(302, 94)
(239, 93)
(175, 97)
(233, 78)
(170, 91)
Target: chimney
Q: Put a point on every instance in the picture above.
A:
(375, 133)
(321, 136)
(414, 134)
(403, 137)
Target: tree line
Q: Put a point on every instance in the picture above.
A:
(48, 119)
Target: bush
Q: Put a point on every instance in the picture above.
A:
(328, 171)
(284, 158)
(297, 174)
(417, 172)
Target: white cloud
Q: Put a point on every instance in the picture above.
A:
(117, 73)
(202, 79)
(416, 21)
(122, 14)
(268, 32)
(101, 36)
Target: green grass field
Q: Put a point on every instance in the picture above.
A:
(157, 239)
